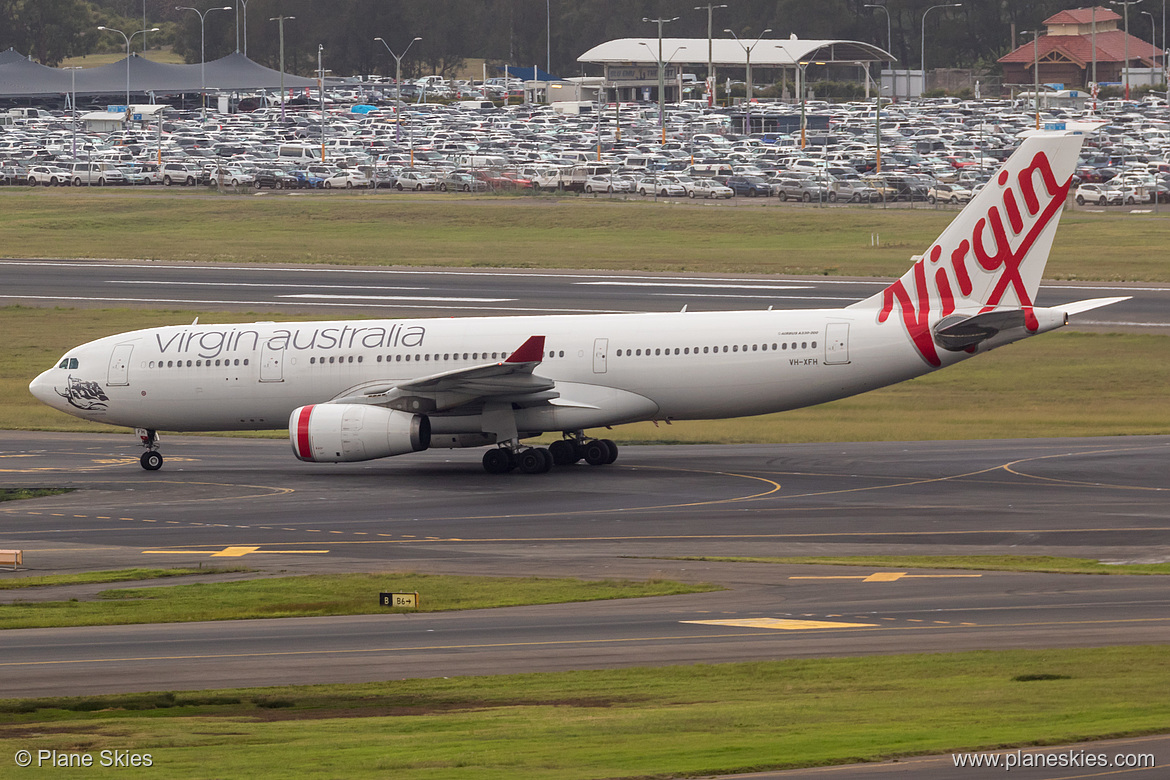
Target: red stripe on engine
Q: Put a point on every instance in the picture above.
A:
(304, 448)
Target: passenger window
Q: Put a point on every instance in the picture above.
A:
(561, 353)
(814, 345)
(657, 351)
(331, 360)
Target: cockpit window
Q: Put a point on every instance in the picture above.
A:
(68, 363)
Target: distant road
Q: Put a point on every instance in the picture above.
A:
(428, 292)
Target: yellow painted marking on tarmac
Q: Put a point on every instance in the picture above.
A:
(234, 552)
(779, 624)
(885, 576)
(145, 521)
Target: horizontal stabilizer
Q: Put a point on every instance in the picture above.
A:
(959, 331)
(1093, 303)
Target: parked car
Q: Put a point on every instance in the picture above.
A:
(346, 179)
(948, 193)
(852, 190)
(709, 188)
(663, 187)
(1101, 194)
(275, 179)
(48, 175)
(807, 190)
(461, 182)
(751, 186)
(415, 180)
(181, 173)
(604, 183)
(13, 174)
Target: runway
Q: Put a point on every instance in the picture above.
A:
(248, 501)
(346, 292)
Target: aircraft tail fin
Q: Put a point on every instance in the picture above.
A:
(991, 257)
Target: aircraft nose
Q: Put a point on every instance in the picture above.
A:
(42, 389)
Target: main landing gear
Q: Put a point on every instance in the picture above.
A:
(538, 460)
(152, 459)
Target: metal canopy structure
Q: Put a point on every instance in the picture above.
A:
(20, 77)
(727, 52)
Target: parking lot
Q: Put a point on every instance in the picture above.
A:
(936, 152)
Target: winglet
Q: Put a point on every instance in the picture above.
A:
(531, 351)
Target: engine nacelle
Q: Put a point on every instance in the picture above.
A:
(340, 433)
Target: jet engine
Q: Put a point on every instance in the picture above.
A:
(339, 433)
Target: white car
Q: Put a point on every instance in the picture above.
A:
(415, 180)
(948, 193)
(664, 188)
(48, 175)
(605, 184)
(1101, 194)
(346, 179)
(709, 188)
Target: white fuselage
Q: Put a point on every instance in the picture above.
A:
(608, 369)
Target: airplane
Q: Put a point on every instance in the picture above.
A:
(359, 390)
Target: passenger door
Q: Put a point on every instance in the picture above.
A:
(119, 373)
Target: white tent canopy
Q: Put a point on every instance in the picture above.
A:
(727, 52)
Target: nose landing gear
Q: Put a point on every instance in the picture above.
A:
(152, 459)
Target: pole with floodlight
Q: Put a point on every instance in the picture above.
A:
(747, 50)
(923, 52)
(710, 52)
(661, 74)
(127, 39)
(398, 85)
(889, 35)
(202, 50)
(1126, 4)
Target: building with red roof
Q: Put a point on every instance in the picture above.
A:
(1066, 51)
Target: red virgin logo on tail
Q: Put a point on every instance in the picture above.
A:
(991, 244)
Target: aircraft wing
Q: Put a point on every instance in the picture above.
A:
(509, 380)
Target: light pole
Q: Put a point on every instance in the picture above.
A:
(398, 85)
(923, 52)
(747, 50)
(73, 101)
(202, 51)
(661, 65)
(1153, 48)
(661, 75)
(889, 35)
(547, 36)
(280, 23)
(143, 34)
(1035, 71)
(710, 52)
(1126, 4)
(245, 4)
(321, 95)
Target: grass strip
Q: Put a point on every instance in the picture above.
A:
(22, 494)
(1027, 563)
(117, 575)
(323, 594)
(669, 722)
(534, 232)
(1051, 386)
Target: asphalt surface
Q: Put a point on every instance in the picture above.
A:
(249, 502)
(426, 292)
